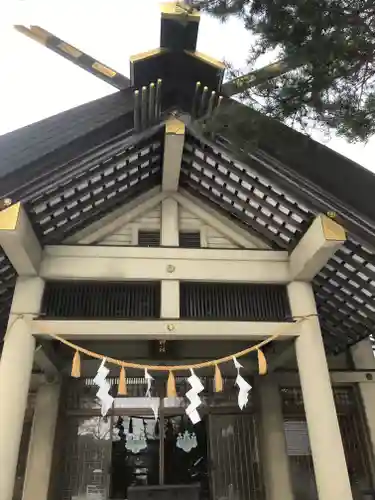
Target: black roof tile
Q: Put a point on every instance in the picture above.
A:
(29, 144)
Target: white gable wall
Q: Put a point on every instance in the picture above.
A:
(127, 234)
(210, 237)
(151, 221)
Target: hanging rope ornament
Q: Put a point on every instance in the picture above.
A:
(76, 365)
(262, 363)
(193, 397)
(243, 386)
(218, 380)
(171, 386)
(171, 368)
(122, 387)
(196, 385)
(103, 393)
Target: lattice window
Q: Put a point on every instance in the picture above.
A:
(234, 302)
(101, 300)
(190, 239)
(149, 238)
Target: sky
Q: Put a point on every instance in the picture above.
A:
(36, 83)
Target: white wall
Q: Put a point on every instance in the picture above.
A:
(151, 221)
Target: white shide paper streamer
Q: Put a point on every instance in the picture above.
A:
(154, 402)
(103, 395)
(193, 397)
(243, 386)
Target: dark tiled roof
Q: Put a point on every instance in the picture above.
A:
(23, 146)
(40, 148)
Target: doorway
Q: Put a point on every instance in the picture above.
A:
(166, 451)
(135, 454)
(101, 458)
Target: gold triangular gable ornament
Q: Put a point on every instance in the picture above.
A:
(76, 365)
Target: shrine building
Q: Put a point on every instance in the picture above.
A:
(212, 259)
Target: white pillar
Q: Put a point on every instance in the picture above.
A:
(363, 358)
(170, 299)
(277, 476)
(42, 437)
(15, 373)
(170, 289)
(330, 468)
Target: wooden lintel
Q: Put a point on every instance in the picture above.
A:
(163, 329)
(127, 263)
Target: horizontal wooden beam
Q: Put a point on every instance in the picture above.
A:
(19, 241)
(316, 247)
(127, 263)
(163, 329)
(291, 379)
(165, 252)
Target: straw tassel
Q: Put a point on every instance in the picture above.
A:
(171, 386)
(76, 365)
(122, 387)
(262, 362)
(218, 379)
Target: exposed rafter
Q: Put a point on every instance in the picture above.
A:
(112, 178)
(173, 147)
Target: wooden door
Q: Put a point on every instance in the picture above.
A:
(235, 472)
(88, 446)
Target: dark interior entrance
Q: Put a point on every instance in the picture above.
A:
(147, 452)
(135, 454)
